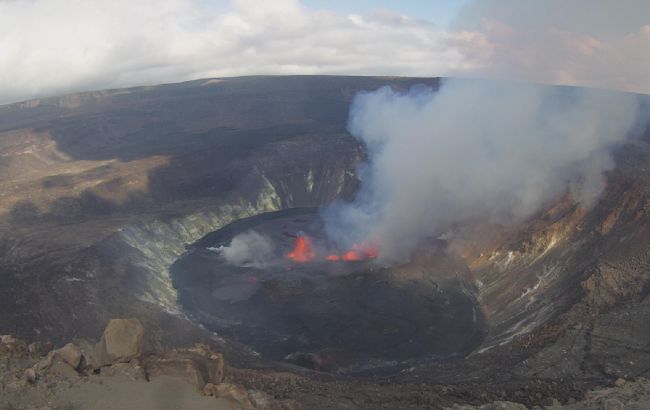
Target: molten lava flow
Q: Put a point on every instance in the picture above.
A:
(358, 252)
(302, 251)
(351, 256)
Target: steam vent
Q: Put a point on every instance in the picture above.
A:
(327, 242)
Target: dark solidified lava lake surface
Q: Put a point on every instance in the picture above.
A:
(321, 314)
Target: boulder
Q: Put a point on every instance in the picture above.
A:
(54, 366)
(30, 375)
(122, 341)
(62, 372)
(69, 354)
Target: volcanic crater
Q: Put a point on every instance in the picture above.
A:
(347, 314)
(119, 203)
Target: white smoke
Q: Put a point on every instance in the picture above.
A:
(250, 249)
(471, 150)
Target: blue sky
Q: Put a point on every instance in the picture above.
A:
(438, 12)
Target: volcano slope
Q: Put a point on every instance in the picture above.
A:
(104, 194)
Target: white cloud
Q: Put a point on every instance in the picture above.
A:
(49, 47)
(55, 46)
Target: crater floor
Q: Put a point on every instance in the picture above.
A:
(321, 314)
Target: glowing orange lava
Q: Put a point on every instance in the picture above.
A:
(351, 256)
(358, 252)
(302, 251)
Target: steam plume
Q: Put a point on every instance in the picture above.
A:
(473, 149)
(248, 249)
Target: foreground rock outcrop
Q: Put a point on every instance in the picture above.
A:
(72, 377)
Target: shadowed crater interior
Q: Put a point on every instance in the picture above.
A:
(346, 316)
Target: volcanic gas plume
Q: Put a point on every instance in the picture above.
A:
(472, 150)
(247, 249)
